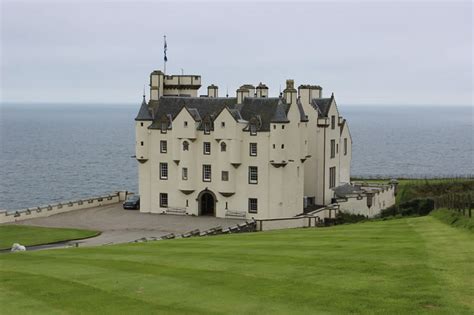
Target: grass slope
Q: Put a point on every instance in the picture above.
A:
(32, 235)
(454, 218)
(405, 266)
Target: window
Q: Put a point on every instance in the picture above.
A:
(333, 122)
(184, 173)
(206, 173)
(282, 126)
(332, 177)
(141, 143)
(185, 146)
(333, 148)
(253, 129)
(206, 148)
(185, 124)
(337, 147)
(253, 175)
(345, 146)
(223, 124)
(163, 170)
(141, 124)
(225, 176)
(274, 126)
(163, 146)
(223, 147)
(274, 146)
(282, 146)
(207, 128)
(253, 205)
(163, 200)
(253, 149)
(163, 127)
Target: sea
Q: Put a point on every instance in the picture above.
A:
(59, 152)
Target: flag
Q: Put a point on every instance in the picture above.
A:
(165, 49)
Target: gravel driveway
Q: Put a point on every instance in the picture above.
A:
(121, 226)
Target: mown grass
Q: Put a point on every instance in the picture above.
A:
(32, 235)
(405, 266)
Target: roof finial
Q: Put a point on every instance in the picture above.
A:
(227, 91)
(144, 100)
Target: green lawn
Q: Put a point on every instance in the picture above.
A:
(32, 235)
(404, 266)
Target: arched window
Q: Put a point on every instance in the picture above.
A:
(223, 147)
(185, 146)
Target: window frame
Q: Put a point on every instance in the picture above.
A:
(185, 146)
(226, 177)
(223, 147)
(204, 144)
(332, 177)
(163, 146)
(204, 178)
(184, 173)
(253, 205)
(333, 149)
(251, 146)
(333, 122)
(163, 204)
(253, 172)
(164, 169)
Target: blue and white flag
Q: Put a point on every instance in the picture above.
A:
(165, 49)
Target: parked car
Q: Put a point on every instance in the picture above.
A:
(132, 202)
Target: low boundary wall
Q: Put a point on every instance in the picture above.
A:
(312, 219)
(48, 210)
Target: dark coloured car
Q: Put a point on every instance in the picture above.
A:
(132, 202)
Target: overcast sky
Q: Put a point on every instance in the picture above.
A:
(364, 52)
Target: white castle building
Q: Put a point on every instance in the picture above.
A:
(250, 156)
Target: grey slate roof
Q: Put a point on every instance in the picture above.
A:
(144, 113)
(268, 110)
(347, 189)
(322, 104)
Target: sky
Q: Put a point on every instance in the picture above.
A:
(374, 53)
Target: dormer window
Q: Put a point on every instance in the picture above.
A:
(253, 129)
(164, 127)
(207, 128)
(164, 124)
(185, 146)
(223, 147)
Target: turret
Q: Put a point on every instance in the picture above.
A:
(156, 84)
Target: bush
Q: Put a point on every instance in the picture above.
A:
(343, 217)
(418, 206)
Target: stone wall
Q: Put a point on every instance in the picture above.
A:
(48, 210)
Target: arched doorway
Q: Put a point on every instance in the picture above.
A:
(207, 203)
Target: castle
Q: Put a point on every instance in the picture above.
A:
(248, 156)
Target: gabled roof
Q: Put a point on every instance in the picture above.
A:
(323, 105)
(268, 110)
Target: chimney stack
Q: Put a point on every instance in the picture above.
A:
(212, 91)
(290, 92)
(262, 90)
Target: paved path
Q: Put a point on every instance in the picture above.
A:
(121, 226)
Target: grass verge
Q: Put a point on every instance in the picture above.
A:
(406, 266)
(32, 235)
(454, 218)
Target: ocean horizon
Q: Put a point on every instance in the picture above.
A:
(51, 152)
